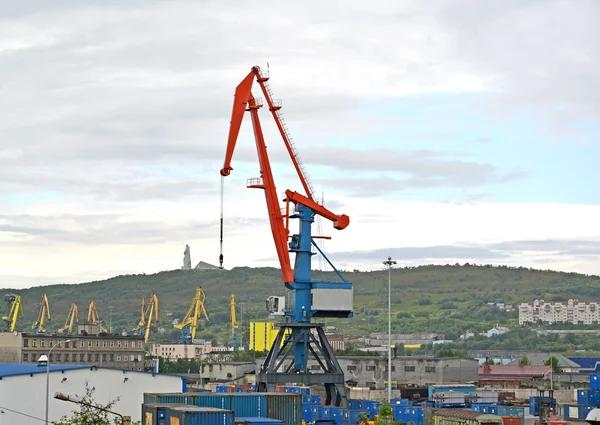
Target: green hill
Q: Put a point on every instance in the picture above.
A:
(442, 299)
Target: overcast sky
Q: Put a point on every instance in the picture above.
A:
(448, 130)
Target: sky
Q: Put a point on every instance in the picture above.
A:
(448, 131)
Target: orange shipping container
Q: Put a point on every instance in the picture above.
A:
(512, 420)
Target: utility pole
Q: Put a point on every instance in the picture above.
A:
(389, 262)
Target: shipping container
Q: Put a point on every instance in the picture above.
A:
(595, 381)
(154, 414)
(583, 397)
(168, 398)
(354, 404)
(464, 417)
(463, 388)
(482, 397)
(576, 412)
(222, 388)
(312, 399)
(353, 416)
(194, 415)
(594, 396)
(307, 412)
(371, 406)
(512, 420)
(286, 407)
(510, 411)
(534, 406)
(249, 404)
(218, 400)
(337, 414)
(257, 421)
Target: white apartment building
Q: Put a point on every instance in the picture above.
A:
(181, 351)
(572, 311)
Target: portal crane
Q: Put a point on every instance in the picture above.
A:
(72, 318)
(234, 323)
(16, 310)
(288, 359)
(38, 325)
(94, 318)
(189, 324)
(148, 310)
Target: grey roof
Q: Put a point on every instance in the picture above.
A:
(205, 266)
(538, 359)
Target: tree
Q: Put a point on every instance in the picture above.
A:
(525, 361)
(553, 361)
(90, 415)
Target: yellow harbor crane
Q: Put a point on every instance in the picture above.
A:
(72, 317)
(93, 318)
(234, 323)
(148, 310)
(38, 325)
(189, 324)
(16, 310)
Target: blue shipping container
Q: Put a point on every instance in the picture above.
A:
(249, 405)
(371, 406)
(222, 388)
(354, 404)
(583, 396)
(168, 398)
(312, 399)
(257, 421)
(595, 381)
(576, 412)
(353, 417)
(307, 412)
(463, 388)
(510, 411)
(337, 414)
(194, 415)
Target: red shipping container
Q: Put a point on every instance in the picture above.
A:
(512, 420)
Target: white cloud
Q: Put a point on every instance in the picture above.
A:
(119, 112)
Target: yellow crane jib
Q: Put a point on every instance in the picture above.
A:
(72, 318)
(149, 310)
(16, 310)
(234, 323)
(93, 318)
(44, 312)
(189, 324)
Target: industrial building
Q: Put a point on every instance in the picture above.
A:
(23, 390)
(123, 352)
(226, 371)
(181, 351)
(571, 311)
(372, 372)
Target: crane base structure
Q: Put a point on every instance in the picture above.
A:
(279, 366)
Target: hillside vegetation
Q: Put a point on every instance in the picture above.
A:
(441, 299)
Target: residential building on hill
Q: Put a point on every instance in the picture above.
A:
(571, 311)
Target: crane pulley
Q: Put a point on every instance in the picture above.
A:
(44, 312)
(149, 310)
(188, 326)
(72, 318)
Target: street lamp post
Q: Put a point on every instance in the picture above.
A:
(389, 262)
(48, 374)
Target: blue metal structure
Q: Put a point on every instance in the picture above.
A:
(299, 339)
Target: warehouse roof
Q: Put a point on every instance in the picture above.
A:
(14, 369)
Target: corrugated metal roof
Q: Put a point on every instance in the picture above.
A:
(192, 409)
(15, 369)
(465, 414)
(513, 370)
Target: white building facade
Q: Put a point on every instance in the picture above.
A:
(23, 390)
(572, 311)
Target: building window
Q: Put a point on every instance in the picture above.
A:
(25, 342)
(50, 357)
(409, 368)
(81, 344)
(112, 357)
(140, 344)
(118, 344)
(34, 343)
(59, 357)
(97, 357)
(89, 343)
(371, 368)
(429, 369)
(97, 343)
(50, 343)
(42, 342)
(112, 344)
(351, 368)
(103, 357)
(118, 357)
(82, 357)
(66, 344)
(74, 357)
(393, 368)
(126, 344)
(89, 357)
(25, 357)
(104, 344)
